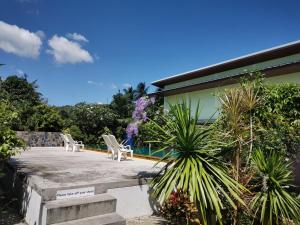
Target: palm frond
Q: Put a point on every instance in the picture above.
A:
(194, 167)
(273, 203)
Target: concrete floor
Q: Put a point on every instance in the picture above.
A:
(146, 220)
(53, 168)
(48, 170)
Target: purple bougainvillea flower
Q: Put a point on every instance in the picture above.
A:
(132, 130)
(152, 100)
(139, 115)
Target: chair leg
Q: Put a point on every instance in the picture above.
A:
(119, 156)
(112, 155)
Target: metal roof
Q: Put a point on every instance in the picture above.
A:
(260, 56)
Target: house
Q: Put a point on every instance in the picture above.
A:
(280, 64)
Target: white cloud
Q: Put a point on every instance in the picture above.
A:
(18, 41)
(114, 86)
(95, 83)
(66, 51)
(127, 85)
(77, 37)
(41, 34)
(20, 72)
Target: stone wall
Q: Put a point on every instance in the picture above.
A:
(41, 139)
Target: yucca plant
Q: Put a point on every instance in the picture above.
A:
(193, 165)
(250, 101)
(273, 202)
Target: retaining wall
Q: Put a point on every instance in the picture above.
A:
(41, 139)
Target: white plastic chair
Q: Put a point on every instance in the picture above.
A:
(110, 149)
(76, 145)
(119, 148)
(66, 142)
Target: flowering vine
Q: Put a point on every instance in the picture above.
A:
(139, 115)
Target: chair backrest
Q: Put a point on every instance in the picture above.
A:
(107, 141)
(71, 140)
(114, 142)
(65, 139)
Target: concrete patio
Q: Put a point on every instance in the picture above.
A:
(57, 184)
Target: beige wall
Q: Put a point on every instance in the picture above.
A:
(208, 98)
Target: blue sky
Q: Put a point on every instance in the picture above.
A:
(87, 50)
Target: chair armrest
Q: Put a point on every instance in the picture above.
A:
(128, 147)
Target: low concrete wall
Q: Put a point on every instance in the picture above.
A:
(41, 139)
(134, 201)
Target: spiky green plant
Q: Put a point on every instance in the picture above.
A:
(273, 202)
(193, 165)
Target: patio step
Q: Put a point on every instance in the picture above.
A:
(108, 219)
(58, 211)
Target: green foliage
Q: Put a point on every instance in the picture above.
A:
(9, 142)
(264, 118)
(273, 202)
(280, 99)
(140, 91)
(45, 118)
(178, 209)
(123, 104)
(33, 113)
(89, 120)
(19, 91)
(75, 132)
(193, 165)
(154, 113)
(279, 117)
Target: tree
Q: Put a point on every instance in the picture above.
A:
(19, 91)
(45, 118)
(91, 119)
(129, 92)
(141, 90)
(123, 104)
(23, 96)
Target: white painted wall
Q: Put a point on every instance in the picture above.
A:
(132, 201)
(31, 206)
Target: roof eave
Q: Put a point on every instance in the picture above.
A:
(249, 59)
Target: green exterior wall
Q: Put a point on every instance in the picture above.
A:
(209, 103)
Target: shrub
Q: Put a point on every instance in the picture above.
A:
(270, 129)
(9, 142)
(45, 118)
(274, 202)
(194, 166)
(179, 210)
(279, 117)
